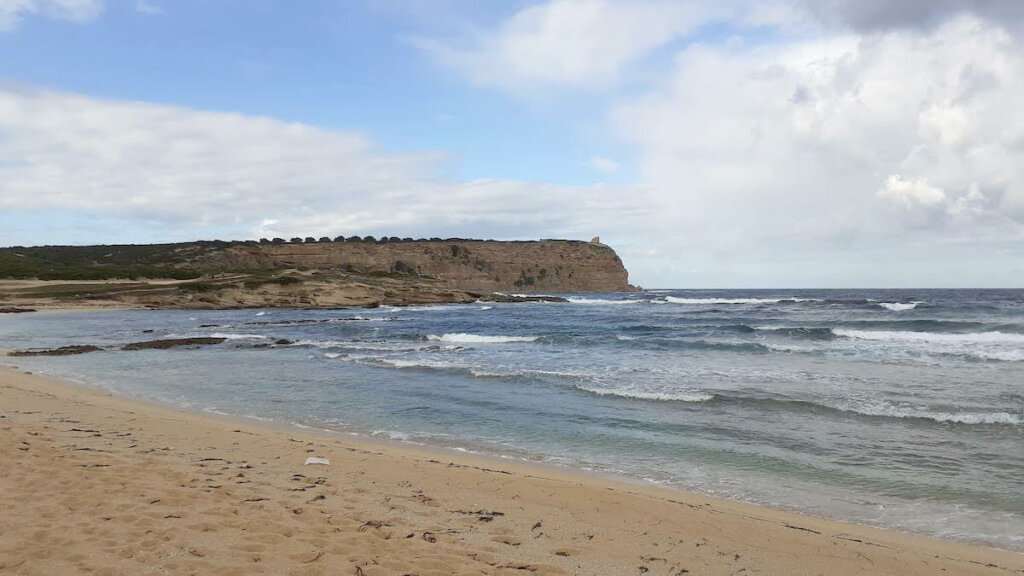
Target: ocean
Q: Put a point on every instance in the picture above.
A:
(897, 408)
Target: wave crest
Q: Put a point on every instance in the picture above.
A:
(479, 339)
(692, 396)
(698, 301)
(898, 306)
(995, 337)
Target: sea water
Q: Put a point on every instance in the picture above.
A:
(898, 408)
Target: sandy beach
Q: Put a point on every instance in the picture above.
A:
(96, 484)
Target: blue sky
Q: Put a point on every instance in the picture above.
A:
(343, 65)
(751, 143)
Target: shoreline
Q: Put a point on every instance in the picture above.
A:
(589, 523)
(533, 463)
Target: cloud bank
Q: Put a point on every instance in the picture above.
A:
(254, 176)
(864, 131)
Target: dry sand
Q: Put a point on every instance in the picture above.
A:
(94, 484)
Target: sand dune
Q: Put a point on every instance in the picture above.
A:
(93, 484)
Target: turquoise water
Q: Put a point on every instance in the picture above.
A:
(898, 408)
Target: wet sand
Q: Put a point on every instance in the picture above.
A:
(96, 484)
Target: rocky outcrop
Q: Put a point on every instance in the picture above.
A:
(62, 351)
(171, 343)
(465, 265)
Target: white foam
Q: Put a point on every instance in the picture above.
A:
(646, 395)
(1003, 355)
(480, 373)
(486, 307)
(907, 336)
(601, 301)
(625, 338)
(393, 435)
(698, 301)
(400, 363)
(891, 411)
(480, 339)
(261, 313)
(898, 306)
(232, 336)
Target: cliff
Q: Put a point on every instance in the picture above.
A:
(303, 274)
(470, 265)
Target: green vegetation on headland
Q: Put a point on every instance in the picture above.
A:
(179, 261)
(118, 262)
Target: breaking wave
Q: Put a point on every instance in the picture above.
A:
(898, 306)
(480, 339)
(700, 301)
(601, 301)
(949, 338)
(859, 408)
(644, 395)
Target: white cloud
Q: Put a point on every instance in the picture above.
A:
(245, 175)
(762, 155)
(12, 11)
(911, 192)
(603, 165)
(147, 7)
(571, 42)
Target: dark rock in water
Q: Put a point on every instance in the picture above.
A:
(171, 343)
(286, 322)
(510, 298)
(209, 325)
(62, 351)
(15, 310)
(148, 331)
(279, 342)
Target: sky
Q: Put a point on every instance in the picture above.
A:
(752, 143)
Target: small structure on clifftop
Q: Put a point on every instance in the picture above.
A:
(595, 240)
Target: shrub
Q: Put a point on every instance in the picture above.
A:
(254, 283)
(197, 287)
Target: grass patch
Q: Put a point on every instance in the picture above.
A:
(254, 283)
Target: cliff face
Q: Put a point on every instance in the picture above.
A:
(472, 265)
